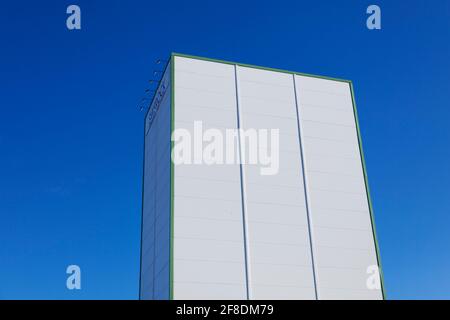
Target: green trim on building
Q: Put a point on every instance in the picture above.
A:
(172, 126)
(174, 54)
(361, 152)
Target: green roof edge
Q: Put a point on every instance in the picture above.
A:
(175, 54)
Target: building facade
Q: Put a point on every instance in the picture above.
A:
(299, 226)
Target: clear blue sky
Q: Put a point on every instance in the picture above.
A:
(71, 132)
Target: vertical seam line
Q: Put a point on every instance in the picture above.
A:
(241, 171)
(172, 180)
(305, 190)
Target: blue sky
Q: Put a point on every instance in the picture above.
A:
(71, 131)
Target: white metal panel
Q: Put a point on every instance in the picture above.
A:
(343, 241)
(279, 263)
(209, 258)
(209, 245)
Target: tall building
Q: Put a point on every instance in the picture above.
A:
(267, 194)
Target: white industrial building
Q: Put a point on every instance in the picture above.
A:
(227, 231)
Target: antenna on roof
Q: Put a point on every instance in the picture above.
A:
(152, 91)
(159, 61)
